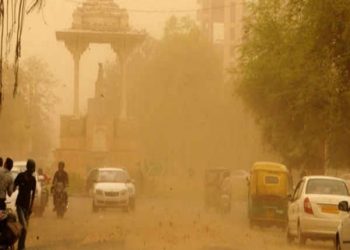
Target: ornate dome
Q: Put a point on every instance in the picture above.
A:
(100, 15)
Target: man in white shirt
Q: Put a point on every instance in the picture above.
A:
(6, 182)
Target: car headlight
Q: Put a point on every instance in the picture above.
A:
(124, 192)
(99, 192)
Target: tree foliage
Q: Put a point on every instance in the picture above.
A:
(295, 78)
(26, 121)
(12, 15)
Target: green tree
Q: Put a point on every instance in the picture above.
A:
(12, 15)
(295, 78)
(26, 121)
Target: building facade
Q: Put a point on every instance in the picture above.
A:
(106, 135)
(222, 22)
(99, 138)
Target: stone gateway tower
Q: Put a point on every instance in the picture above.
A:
(105, 135)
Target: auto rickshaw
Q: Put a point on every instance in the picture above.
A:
(212, 186)
(269, 186)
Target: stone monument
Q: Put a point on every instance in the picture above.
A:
(105, 135)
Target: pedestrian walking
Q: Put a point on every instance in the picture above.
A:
(24, 204)
(6, 182)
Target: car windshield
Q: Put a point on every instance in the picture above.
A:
(326, 186)
(112, 176)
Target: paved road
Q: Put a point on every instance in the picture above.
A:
(157, 224)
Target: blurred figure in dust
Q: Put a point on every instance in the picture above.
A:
(6, 182)
(44, 182)
(27, 185)
(226, 186)
(43, 177)
(1, 162)
(61, 176)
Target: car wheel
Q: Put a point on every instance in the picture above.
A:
(301, 239)
(95, 208)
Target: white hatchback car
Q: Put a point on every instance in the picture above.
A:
(313, 211)
(111, 187)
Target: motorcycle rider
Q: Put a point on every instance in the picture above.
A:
(61, 176)
(43, 177)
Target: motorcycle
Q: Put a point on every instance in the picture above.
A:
(10, 230)
(60, 197)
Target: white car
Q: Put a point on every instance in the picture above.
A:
(343, 233)
(19, 167)
(313, 211)
(111, 187)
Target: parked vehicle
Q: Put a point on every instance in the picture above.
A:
(269, 187)
(313, 211)
(111, 187)
(60, 198)
(39, 203)
(212, 186)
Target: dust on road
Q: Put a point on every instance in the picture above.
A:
(157, 224)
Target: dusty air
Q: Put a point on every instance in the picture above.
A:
(174, 125)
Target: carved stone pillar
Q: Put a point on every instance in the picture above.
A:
(122, 51)
(77, 49)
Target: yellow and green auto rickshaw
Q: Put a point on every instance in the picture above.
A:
(269, 186)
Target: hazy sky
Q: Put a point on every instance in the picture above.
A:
(39, 40)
